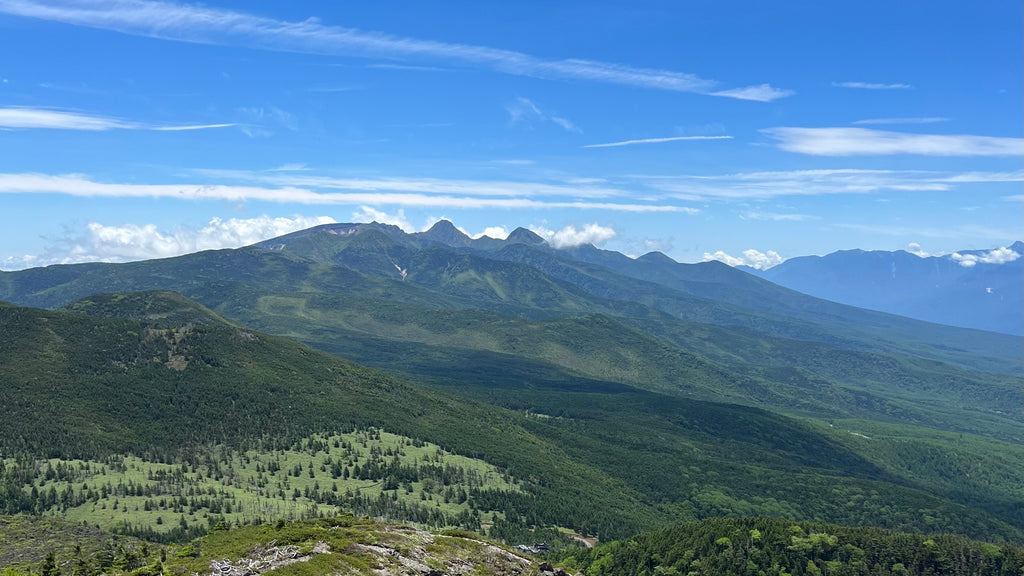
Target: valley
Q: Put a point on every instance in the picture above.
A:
(511, 389)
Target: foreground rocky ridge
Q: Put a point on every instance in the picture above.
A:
(342, 545)
(350, 546)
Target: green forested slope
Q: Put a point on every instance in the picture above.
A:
(77, 385)
(600, 457)
(777, 547)
(799, 377)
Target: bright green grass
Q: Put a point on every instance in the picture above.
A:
(223, 485)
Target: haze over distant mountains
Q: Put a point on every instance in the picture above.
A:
(981, 289)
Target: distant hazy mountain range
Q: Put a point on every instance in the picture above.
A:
(981, 289)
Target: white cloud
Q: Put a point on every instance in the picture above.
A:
(407, 67)
(515, 162)
(965, 260)
(985, 177)
(566, 124)
(763, 185)
(752, 258)
(996, 256)
(959, 233)
(524, 111)
(777, 217)
(21, 262)
(924, 120)
(570, 236)
(578, 188)
(370, 192)
(872, 86)
(189, 127)
(867, 142)
(496, 232)
(656, 141)
(370, 214)
(290, 167)
(759, 93)
(259, 121)
(120, 243)
(205, 25)
(915, 249)
(21, 118)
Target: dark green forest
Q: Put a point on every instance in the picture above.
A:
(773, 547)
(603, 459)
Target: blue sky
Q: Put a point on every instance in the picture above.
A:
(744, 131)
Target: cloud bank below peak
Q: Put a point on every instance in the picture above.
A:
(1001, 255)
(570, 236)
(752, 258)
(126, 242)
(206, 25)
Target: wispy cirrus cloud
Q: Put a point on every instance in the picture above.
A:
(760, 93)
(872, 85)
(979, 177)
(656, 141)
(918, 120)
(868, 142)
(566, 124)
(523, 111)
(407, 67)
(366, 193)
(773, 184)
(206, 25)
(574, 187)
(949, 232)
(25, 118)
(776, 216)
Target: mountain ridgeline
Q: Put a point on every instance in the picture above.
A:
(623, 394)
(972, 289)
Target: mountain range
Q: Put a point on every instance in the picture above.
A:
(979, 289)
(622, 394)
